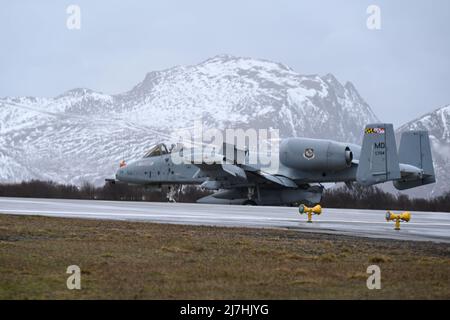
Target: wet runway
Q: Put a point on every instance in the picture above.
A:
(424, 226)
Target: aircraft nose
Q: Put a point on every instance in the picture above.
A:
(120, 174)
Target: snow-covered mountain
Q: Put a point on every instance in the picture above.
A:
(81, 135)
(438, 125)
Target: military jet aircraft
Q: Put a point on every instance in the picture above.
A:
(304, 165)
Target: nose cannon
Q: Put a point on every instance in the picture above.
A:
(397, 217)
(310, 211)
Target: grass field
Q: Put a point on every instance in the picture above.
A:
(132, 260)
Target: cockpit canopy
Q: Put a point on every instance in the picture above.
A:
(161, 149)
(158, 150)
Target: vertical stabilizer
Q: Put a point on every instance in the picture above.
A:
(415, 150)
(378, 161)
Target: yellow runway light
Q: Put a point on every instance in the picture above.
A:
(310, 211)
(397, 217)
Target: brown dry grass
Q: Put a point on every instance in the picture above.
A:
(132, 260)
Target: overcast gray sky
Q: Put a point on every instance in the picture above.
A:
(402, 70)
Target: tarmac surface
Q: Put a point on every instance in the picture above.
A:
(424, 226)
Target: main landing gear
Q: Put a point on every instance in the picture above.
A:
(252, 195)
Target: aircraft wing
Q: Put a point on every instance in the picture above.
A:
(230, 163)
(280, 180)
(233, 170)
(244, 173)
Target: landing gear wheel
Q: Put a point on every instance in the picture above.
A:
(249, 203)
(171, 195)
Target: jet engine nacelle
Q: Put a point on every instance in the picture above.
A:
(314, 154)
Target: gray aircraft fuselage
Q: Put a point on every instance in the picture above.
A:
(160, 169)
(329, 162)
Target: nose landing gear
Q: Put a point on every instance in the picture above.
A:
(171, 193)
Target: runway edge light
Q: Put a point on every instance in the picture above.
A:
(397, 217)
(310, 211)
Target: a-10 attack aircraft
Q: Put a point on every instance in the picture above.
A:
(304, 164)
